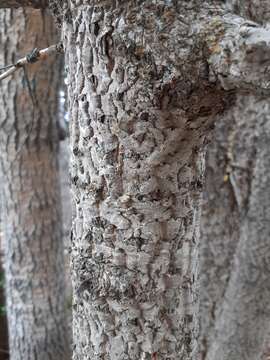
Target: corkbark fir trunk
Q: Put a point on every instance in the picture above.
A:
(30, 193)
(235, 316)
(139, 114)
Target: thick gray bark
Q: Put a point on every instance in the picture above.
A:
(144, 90)
(141, 104)
(30, 194)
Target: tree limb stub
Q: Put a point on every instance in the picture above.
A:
(239, 50)
(239, 53)
(38, 4)
(34, 56)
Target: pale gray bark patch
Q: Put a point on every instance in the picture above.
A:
(30, 194)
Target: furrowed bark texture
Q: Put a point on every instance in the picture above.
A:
(24, 3)
(30, 193)
(140, 105)
(234, 310)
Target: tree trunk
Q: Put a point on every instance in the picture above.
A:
(235, 316)
(30, 193)
(144, 87)
(138, 125)
(234, 243)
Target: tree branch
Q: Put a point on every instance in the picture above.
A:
(33, 57)
(38, 4)
(239, 53)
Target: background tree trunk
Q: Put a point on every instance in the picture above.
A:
(30, 193)
(235, 315)
(235, 231)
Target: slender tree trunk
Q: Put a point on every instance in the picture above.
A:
(30, 193)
